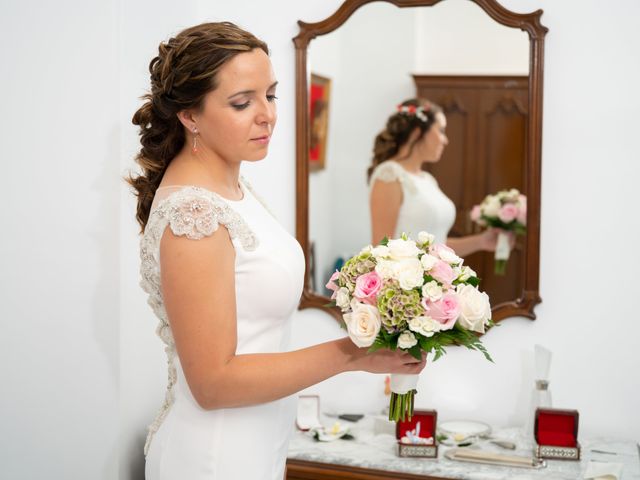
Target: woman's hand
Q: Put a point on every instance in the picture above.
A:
(386, 361)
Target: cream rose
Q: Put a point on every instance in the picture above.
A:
(475, 309)
(432, 291)
(426, 326)
(428, 261)
(491, 207)
(385, 269)
(342, 297)
(406, 340)
(446, 254)
(399, 248)
(363, 324)
(409, 273)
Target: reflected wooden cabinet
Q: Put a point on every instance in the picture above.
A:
(487, 131)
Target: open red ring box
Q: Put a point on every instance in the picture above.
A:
(556, 434)
(423, 425)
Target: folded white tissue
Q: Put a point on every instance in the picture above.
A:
(603, 471)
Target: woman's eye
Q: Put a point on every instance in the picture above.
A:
(272, 98)
(240, 106)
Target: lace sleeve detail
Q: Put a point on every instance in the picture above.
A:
(193, 217)
(389, 172)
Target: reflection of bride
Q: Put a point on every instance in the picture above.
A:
(403, 197)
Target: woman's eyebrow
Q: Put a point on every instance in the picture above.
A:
(248, 92)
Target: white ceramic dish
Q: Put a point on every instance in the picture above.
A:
(459, 432)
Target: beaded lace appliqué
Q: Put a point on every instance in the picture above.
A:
(390, 171)
(195, 213)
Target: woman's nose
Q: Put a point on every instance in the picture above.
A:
(266, 113)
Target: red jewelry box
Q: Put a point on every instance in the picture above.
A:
(556, 434)
(427, 420)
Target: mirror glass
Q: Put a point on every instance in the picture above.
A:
(453, 54)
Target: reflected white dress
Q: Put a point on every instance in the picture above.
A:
(424, 206)
(186, 442)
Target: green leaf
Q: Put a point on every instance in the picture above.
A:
(384, 241)
(475, 281)
(416, 352)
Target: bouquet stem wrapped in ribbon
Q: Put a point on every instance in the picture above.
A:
(416, 296)
(506, 211)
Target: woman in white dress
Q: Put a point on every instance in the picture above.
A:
(223, 277)
(405, 198)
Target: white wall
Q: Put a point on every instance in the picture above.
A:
(457, 37)
(82, 371)
(59, 254)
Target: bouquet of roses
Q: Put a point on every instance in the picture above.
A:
(413, 295)
(506, 211)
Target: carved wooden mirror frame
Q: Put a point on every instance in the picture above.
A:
(529, 23)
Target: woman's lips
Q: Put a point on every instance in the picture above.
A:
(261, 140)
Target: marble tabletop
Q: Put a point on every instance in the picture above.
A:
(378, 451)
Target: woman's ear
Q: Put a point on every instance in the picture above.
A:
(187, 119)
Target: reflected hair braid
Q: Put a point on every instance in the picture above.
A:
(411, 114)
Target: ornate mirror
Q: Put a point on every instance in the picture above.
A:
(481, 63)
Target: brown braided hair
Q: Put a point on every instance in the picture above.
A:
(399, 127)
(181, 76)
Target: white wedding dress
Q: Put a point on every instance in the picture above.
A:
(186, 442)
(424, 206)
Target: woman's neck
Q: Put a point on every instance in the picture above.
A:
(207, 169)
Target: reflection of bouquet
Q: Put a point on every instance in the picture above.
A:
(506, 211)
(416, 296)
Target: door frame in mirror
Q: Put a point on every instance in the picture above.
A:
(530, 23)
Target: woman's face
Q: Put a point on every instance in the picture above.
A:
(433, 142)
(239, 116)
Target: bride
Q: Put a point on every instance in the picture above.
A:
(223, 276)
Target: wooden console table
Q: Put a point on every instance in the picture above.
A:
(373, 457)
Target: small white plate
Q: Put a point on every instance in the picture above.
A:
(463, 431)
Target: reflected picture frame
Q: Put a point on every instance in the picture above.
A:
(319, 102)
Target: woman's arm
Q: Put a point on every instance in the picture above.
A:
(385, 201)
(197, 279)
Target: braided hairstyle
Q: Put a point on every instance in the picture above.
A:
(181, 76)
(399, 127)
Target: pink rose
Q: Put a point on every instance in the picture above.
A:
(443, 272)
(444, 311)
(367, 287)
(331, 285)
(508, 213)
(522, 214)
(476, 212)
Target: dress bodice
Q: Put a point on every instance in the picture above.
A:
(424, 206)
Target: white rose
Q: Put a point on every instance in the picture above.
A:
(399, 248)
(466, 273)
(342, 297)
(381, 251)
(449, 256)
(475, 309)
(426, 326)
(428, 261)
(363, 324)
(406, 340)
(426, 238)
(385, 269)
(432, 291)
(409, 273)
(491, 206)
